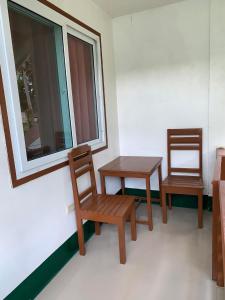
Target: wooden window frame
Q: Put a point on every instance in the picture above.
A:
(19, 181)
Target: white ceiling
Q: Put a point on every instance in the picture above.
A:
(116, 8)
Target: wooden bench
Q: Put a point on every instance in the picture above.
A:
(218, 208)
(222, 227)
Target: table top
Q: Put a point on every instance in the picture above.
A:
(132, 165)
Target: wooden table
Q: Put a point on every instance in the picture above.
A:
(134, 167)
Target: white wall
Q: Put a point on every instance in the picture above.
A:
(162, 69)
(33, 218)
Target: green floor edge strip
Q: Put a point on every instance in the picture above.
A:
(38, 279)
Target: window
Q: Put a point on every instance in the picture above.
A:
(53, 82)
(41, 80)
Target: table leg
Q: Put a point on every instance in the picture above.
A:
(102, 176)
(160, 183)
(170, 201)
(149, 203)
(164, 207)
(122, 179)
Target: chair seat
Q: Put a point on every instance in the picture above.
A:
(183, 181)
(108, 205)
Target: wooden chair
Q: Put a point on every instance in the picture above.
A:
(184, 140)
(99, 208)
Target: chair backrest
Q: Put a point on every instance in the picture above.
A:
(184, 140)
(81, 163)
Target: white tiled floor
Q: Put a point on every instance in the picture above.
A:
(171, 263)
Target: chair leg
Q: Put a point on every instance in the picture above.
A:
(133, 224)
(122, 246)
(80, 232)
(97, 228)
(149, 204)
(164, 207)
(170, 201)
(200, 210)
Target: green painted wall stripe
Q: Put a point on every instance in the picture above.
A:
(36, 282)
(186, 201)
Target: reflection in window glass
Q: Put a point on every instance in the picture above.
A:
(41, 79)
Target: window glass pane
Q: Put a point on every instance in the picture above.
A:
(41, 79)
(83, 88)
